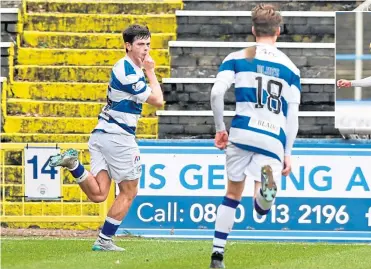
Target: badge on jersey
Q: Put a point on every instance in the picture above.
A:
(138, 86)
(136, 159)
(137, 165)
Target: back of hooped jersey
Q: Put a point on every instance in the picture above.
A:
(264, 87)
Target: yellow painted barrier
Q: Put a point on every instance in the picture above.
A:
(73, 73)
(55, 138)
(105, 7)
(63, 108)
(65, 125)
(98, 23)
(100, 57)
(58, 90)
(38, 39)
(73, 211)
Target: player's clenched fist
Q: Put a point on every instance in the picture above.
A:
(221, 139)
(344, 83)
(148, 63)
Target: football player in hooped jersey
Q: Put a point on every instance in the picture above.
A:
(262, 133)
(113, 150)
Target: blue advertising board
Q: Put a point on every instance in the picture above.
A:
(326, 197)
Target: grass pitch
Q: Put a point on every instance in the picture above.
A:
(54, 253)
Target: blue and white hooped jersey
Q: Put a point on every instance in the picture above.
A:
(264, 87)
(126, 92)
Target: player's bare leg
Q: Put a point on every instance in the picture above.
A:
(96, 188)
(117, 212)
(128, 191)
(225, 220)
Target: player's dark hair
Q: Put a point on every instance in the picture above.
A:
(265, 19)
(134, 32)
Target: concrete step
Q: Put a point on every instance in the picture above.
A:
(55, 138)
(104, 7)
(203, 127)
(202, 59)
(81, 57)
(194, 94)
(349, 65)
(298, 26)
(66, 125)
(64, 91)
(43, 108)
(351, 74)
(87, 40)
(306, 5)
(97, 23)
(72, 73)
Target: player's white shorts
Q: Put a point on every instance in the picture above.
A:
(242, 163)
(117, 154)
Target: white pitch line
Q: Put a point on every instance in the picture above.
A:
(231, 242)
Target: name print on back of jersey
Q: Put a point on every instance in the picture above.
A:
(268, 71)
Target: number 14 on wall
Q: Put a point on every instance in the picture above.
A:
(46, 169)
(41, 180)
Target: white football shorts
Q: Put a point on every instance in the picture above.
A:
(116, 153)
(243, 164)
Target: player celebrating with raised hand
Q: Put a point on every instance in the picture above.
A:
(365, 82)
(262, 133)
(113, 150)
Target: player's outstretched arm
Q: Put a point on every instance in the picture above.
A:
(156, 97)
(292, 127)
(365, 82)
